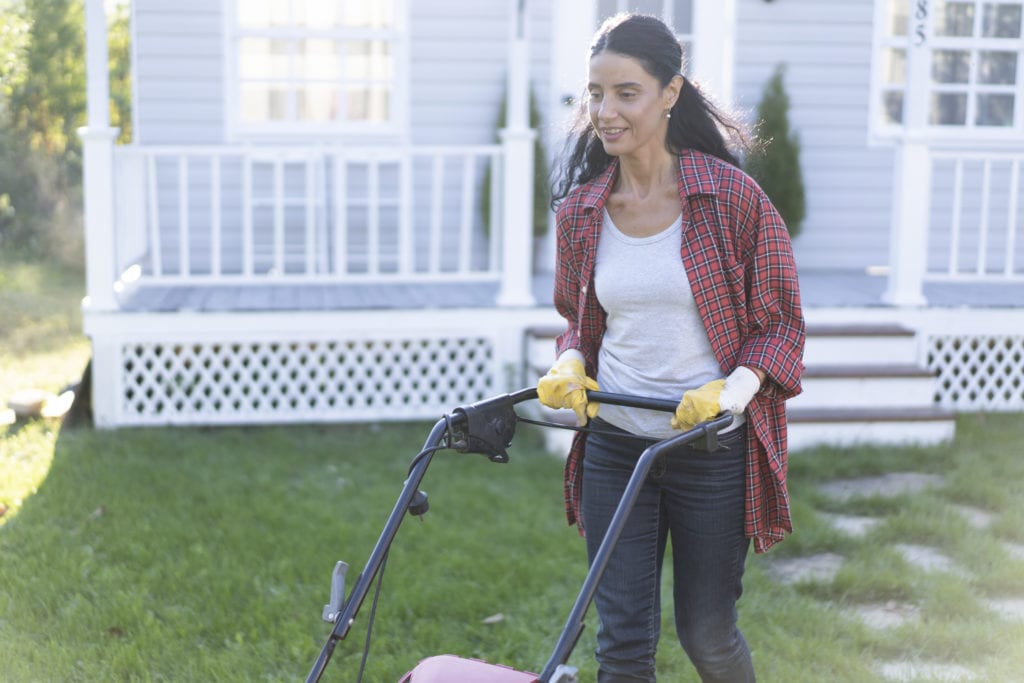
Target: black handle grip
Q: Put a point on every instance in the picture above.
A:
(662, 404)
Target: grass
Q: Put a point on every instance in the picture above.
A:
(41, 347)
(205, 554)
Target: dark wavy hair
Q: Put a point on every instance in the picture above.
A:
(696, 123)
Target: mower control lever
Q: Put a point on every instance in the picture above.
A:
(333, 608)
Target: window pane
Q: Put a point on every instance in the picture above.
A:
(262, 102)
(1001, 20)
(646, 7)
(894, 66)
(954, 18)
(317, 103)
(892, 107)
(997, 68)
(368, 13)
(683, 10)
(605, 8)
(317, 59)
(262, 58)
(262, 13)
(317, 13)
(368, 103)
(897, 14)
(949, 109)
(368, 59)
(951, 66)
(994, 110)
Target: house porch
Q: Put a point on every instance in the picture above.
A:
(219, 354)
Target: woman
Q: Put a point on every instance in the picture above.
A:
(676, 277)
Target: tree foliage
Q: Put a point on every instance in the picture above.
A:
(42, 105)
(47, 102)
(775, 164)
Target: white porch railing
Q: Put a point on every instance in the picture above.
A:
(244, 214)
(976, 216)
(956, 216)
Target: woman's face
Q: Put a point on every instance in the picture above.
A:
(628, 105)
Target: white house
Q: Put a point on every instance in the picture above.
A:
(318, 220)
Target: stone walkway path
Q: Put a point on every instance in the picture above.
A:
(823, 568)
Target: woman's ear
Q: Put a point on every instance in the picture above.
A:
(670, 93)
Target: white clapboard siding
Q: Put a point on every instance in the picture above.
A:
(826, 47)
(178, 71)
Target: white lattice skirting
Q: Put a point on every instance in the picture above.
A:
(978, 372)
(190, 368)
(296, 381)
(193, 369)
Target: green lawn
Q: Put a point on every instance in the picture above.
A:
(205, 554)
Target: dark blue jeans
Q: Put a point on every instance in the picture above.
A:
(696, 498)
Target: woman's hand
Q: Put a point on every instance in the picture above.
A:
(729, 395)
(566, 385)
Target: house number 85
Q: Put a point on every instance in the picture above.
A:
(920, 16)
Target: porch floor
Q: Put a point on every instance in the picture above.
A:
(819, 289)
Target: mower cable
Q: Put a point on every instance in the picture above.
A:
(424, 453)
(587, 430)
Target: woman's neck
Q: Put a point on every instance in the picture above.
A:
(642, 176)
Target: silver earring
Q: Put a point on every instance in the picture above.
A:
(668, 115)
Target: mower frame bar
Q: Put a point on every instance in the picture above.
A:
(499, 409)
(574, 624)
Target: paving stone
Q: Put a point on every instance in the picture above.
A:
(885, 615)
(892, 484)
(932, 671)
(852, 525)
(929, 559)
(792, 570)
(975, 517)
(1008, 608)
(1016, 550)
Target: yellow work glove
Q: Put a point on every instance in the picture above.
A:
(565, 386)
(698, 405)
(729, 395)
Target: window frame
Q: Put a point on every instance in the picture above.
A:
(394, 130)
(880, 131)
(668, 15)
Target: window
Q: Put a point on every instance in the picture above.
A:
(974, 62)
(315, 66)
(677, 14)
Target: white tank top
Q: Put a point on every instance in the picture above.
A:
(655, 343)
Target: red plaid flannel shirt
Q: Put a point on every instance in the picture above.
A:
(739, 260)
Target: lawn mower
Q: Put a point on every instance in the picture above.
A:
(487, 428)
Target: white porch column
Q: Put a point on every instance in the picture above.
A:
(908, 232)
(517, 140)
(714, 40)
(911, 201)
(98, 165)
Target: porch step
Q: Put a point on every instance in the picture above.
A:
(862, 385)
(810, 427)
(846, 344)
(865, 385)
